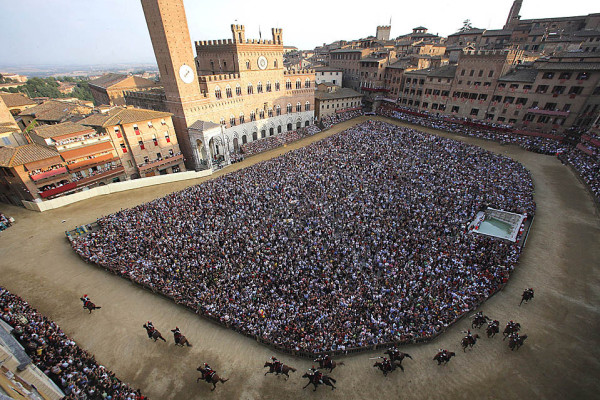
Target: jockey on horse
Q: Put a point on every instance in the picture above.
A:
(177, 334)
(469, 336)
(150, 329)
(277, 365)
(324, 361)
(317, 375)
(387, 364)
(208, 373)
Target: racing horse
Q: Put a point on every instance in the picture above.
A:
(282, 369)
(210, 377)
(396, 355)
(444, 357)
(153, 333)
(469, 341)
(88, 305)
(327, 363)
(180, 340)
(493, 328)
(526, 296)
(327, 380)
(516, 341)
(387, 368)
(511, 327)
(479, 320)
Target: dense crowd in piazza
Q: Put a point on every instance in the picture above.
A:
(587, 166)
(271, 142)
(356, 239)
(337, 118)
(74, 370)
(483, 130)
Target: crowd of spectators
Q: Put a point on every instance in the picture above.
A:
(357, 239)
(74, 370)
(271, 142)
(588, 167)
(483, 130)
(5, 222)
(331, 120)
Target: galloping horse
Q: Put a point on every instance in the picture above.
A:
(511, 328)
(526, 296)
(493, 328)
(153, 333)
(327, 380)
(88, 305)
(387, 368)
(396, 355)
(282, 369)
(444, 357)
(479, 320)
(180, 340)
(327, 363)
(211, 377)
(516, 341)
(469, 341)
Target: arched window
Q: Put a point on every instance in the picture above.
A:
(232, 120)
(244, 139)
(298, 84)
(268, 86)
(250, 89)
(222, 121)
(228, 92)
(263, 134)
(298, 107)
(277, 86)
(289, 108)
(275, 63)
(278, 128)
(217, 92)
(238, 90)
(278, 109)
(307, 83)
(270, 112)
(288, 84)
(259, 88)
(247, 64)
(254, 135)
(261, 114)
(241, 118)
(252, 116)
(271, 131)
(307, 106)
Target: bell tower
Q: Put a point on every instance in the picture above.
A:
(168, 28)
(513, 15)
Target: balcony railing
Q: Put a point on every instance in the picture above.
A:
(161, 163)
(77, 166)
(102, 175)
(48, 174)
(549, 112)
(58, 190)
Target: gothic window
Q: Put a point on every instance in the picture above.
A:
(250, 89)
(228, 92)
(241, 118)
(278, 109)
(268, 86)
(298, 107)
(238, 90)
(277, 86)
(259, 87)
(252, 116)
(288, 84)
(232, 120)
(218, 92)
(289, 108)
(307, 106)
(307, 83)
(298, 84)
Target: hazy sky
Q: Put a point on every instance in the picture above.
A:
(114, 31)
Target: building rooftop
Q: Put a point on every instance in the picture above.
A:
(57, 110)
(497, 32)
(520, 75)
(447, 71)
(122, 115)
(65, 128)
(106, 81)
(14, 156)
(16, 100)
(327, 69)
(203, 126)
(340, 93)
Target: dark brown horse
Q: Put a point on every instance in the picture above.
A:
(493, 328)
(180, 340)
(211, 377)
(387, 368)
(516, 341)
(526, 296)
(469, 341)
(396, 355)
(511, 327)
(153, 333)
(479, 320)
(281, 369)
(88, 305)
(327, 380)
(444, 357)
(327, 363)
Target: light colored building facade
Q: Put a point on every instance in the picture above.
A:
(238, 83)
(144, 140)
(331, 99)
(331, 75)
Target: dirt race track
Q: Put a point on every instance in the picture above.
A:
(560, 358)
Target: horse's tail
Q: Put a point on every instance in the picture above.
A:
(292, 369)
(223, 380)
(408, 355)
(97, 307)
(340, 363)
(332, 380)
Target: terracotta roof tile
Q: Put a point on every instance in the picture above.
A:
(121, 115)
(13, 156)
(66, 128)
(16, 99)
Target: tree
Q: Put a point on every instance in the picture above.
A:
(466, 26)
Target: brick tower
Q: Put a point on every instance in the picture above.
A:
(168, 28)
